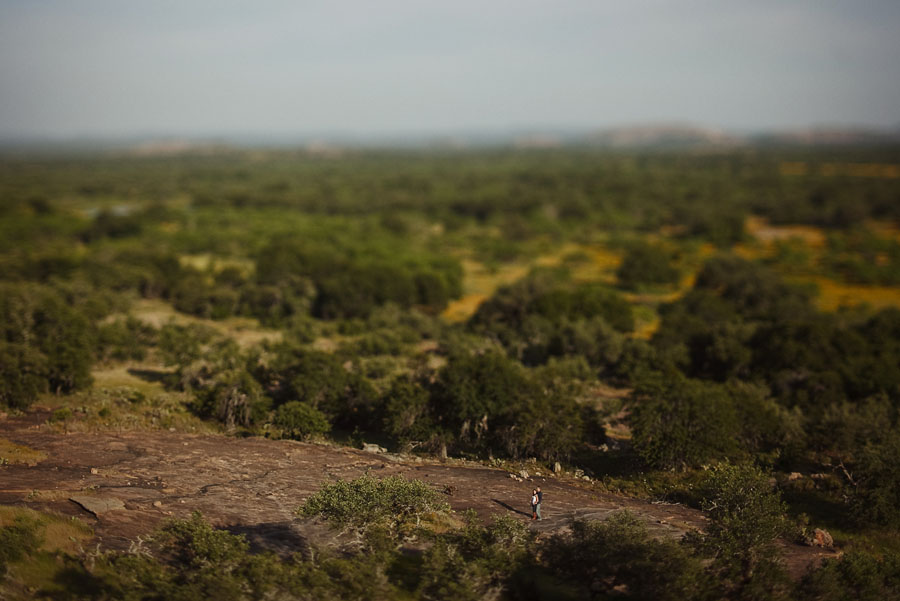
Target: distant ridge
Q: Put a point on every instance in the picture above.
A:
(658, 136)
(661, 136)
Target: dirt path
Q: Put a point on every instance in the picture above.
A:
(253, 485)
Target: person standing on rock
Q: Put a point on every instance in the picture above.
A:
(537, 508)
(534, 504)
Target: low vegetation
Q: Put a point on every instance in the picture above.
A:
(303, 297)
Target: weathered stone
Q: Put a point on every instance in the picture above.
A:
(157, 503)
(369, 447)
(794, 476)
(821, 538)
(523, 474)
(557, 468)
(98, 505)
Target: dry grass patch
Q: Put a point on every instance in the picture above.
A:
(11, 453)
(59, 533)
(246, 331)
(834, 295)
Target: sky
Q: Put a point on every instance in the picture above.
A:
(101, 68)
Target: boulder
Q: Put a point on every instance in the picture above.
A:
(523, 474)
(557, 468)
(794, 476)
(821, 538)
(369, 447)
(98, 505)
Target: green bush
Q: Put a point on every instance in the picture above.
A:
(22, 375)
(857, 575)
(746, 518)
(477, 562)
(619, 555)
(300, 421)
(644, 265)
(18, 540)
(368, 502)
(45, 337)
(677, 422)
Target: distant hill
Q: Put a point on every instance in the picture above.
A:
(668, 136)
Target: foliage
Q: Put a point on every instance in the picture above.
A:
(369, 502)
(746, 517)
(857, 575)
(322, 381)
(45, 343)
(300, 421)
(474, 561)
(619, 554)
(18, 540)
(875, 493)
(644, 265)
(678, 422)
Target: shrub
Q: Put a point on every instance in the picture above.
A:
(50, 338)
(367, 502)
(646, 265)
(300, 421)
(19, 539)
(619, 555)
(407, 414)
(22, 375)
(875, 498)
(476, 562)
(857, 575)
(746, 517)
(678, 422)
(234, 398)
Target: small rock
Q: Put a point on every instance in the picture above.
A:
(586, 478)
(373, 448)
(557, 468)
(157, 503)
(794, 476)
(171, 429)
(95, 471)
(512, 476)
(523, 474)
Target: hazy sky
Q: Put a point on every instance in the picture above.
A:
(183, 67)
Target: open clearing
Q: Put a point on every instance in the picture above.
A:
(134, 480)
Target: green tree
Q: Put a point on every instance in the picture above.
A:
(746, 518)
(677, 422)
(618, 556)
(300, 421)
(644, 264)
